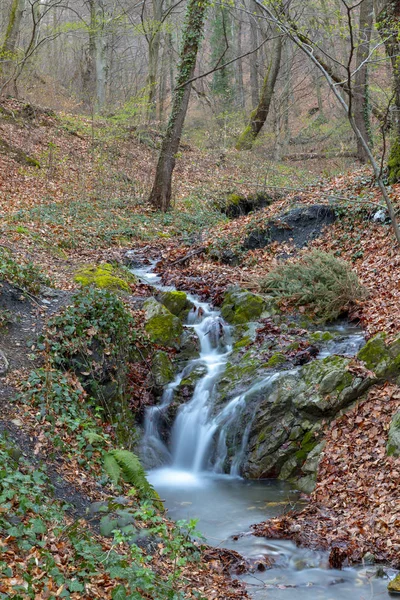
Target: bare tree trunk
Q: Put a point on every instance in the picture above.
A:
(388, 26)
(360, 91)
(254, 85)
(160, 196)
(101, 55)
(260, 114)
(9, 46)
(154, 41)
(239, 65)
(95, 68)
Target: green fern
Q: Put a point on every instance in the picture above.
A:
(112, 468)
(123, 463)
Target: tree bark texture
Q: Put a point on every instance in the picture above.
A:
(260, 114)
(160, 196)
(360, 106)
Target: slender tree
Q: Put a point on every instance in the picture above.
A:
(9, 45)
(160, 196)
(388, 22)
(260, 113)
(361, 107)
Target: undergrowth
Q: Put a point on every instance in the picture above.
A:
(320, 283)
(95, 318)
(40, 538)
(26, 276)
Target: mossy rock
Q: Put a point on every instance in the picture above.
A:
(393, 444)
(276, 359)
(375, 354)
(321, 336)
(105, 276)
(177, 303)
(241, 306)
(161, 325)
(162, 369)
(381, 358)
(394, 585)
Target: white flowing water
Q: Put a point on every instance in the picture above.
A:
(192, 482)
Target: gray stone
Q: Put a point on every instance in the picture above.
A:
(393, 444)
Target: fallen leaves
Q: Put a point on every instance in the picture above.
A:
(356, 502)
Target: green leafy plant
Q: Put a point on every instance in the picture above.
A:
(122, 463)
(323, 284)
(25, 276)
(96, 318)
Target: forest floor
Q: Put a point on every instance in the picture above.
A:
(84, 202)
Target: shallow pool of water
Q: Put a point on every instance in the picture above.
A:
(226, 507)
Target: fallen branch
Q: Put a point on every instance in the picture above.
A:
(188, 256)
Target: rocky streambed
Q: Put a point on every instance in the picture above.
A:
(249, 393)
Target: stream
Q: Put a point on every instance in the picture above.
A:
(192, 483)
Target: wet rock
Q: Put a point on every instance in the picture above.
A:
(288, 416)
(240, 306)
(190, 346)
(393, 444)
(177, 303)
(185, 390)
(300, 225)
(162, 369)
(163, 327)
(394, 585)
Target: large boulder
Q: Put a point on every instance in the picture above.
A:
(163, 327)
(289, 414)
(241, 306)
(177, 303)
(393, 444)
(380, 357)
(105, 276)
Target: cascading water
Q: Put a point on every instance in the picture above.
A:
(193, 484)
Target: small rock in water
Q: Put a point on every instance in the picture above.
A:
(368, 558)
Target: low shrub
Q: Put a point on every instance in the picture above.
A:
(324, 285)
(25, 276)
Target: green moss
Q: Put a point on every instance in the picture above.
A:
(394, 585)
(105, 276)
(241, 306)
(276, 359)
(164, 330)
(242, 343)
(162, 369)
(321, 336)
(246, 139)
(394, 163)
(177, 303)
(393, 445)
(234, 199)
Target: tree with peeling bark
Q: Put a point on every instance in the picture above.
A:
(160, 196)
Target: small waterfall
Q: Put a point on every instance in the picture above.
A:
(201, 438)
